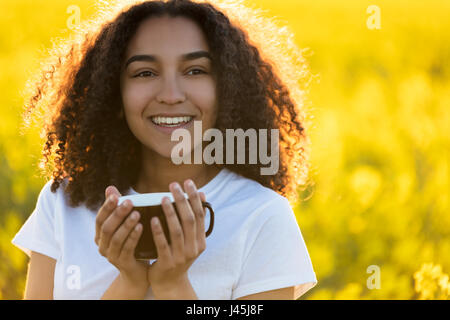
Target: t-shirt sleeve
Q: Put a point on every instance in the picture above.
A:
(38, 232)
(278, 257)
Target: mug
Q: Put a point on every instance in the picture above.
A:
(149, 205)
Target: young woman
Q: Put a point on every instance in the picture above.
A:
(116, 99)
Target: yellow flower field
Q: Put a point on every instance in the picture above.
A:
(376, 221)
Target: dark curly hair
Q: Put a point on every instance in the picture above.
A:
(88, 144)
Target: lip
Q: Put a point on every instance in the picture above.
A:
(169, 130)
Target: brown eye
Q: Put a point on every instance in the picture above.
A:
(143, 74)
(201, 71)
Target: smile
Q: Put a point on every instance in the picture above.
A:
(171, 122)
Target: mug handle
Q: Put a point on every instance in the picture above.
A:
(211, 220)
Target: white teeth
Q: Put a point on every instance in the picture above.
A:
(174, 121)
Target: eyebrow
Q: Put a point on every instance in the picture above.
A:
(185, 57)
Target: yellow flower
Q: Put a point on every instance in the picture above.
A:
(431, 283)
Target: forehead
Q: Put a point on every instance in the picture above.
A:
(167, 36)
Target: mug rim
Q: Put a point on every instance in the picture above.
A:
(148, 199)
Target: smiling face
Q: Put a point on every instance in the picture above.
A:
(167, 82)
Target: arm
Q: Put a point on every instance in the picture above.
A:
(168, 275)
(39, 284)
(182, 290)
(123, 289)
(41, 271)
(117, 236)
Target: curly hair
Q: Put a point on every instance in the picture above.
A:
(90, 146)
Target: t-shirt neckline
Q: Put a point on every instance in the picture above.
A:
(207, 188)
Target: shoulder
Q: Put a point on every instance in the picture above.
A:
(258, 198)
(47, 192)
(49, 198)
(251, 189)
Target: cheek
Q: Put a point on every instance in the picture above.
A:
(211, 111)
(206, 100)
(134, 98)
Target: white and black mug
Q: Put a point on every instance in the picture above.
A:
(149, 205)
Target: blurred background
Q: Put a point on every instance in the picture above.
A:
(376, 221)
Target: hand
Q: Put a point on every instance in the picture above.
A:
(187, 241)
(117, 241)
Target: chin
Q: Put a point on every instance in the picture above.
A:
(162, 152)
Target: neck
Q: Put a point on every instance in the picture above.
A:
(158, 172)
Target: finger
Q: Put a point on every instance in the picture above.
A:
(199, 211)
(111, 198)
(187, 218)
(119, 237)
(112, 190)
(104, 212)
(111, 224)
(161, 244)
(202, 196)
(131, 242)
(176, 232)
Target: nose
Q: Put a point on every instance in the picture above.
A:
(171, 92)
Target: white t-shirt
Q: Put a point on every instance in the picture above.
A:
(255, 246)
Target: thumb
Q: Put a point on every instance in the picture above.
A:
(110, 190)
(202, 197)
